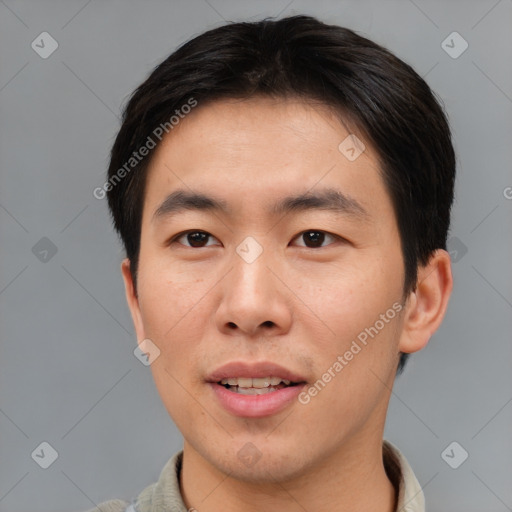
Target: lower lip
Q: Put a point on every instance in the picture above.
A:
(256, 406)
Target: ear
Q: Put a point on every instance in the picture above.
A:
(426, 305)
(132, 300)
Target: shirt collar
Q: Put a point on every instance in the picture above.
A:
(165, 493)
(401, 475)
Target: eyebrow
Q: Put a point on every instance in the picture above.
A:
(328, 199)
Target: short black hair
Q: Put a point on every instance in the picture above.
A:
(301, 57)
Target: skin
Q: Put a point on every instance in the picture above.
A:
(298, 305)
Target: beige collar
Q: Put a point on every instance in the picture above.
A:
(165, 494)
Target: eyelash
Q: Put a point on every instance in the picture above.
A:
(175, 239)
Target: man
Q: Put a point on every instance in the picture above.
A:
(283, 193)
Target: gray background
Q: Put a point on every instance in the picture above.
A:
(68, 373)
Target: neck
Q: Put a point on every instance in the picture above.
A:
(352, 478)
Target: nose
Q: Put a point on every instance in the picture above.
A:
(255, 301)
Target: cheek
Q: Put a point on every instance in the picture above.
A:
(358, 331)
(169, 302)
(349, 299)
(174, 318)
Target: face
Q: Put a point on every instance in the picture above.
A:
(255, 282)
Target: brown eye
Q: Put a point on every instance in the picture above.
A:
(314, 239)
(193, 238)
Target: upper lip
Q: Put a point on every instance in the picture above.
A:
(255, 370)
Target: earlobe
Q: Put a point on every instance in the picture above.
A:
(426, 306)
(132, 299)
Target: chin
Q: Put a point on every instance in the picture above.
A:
(258, 460)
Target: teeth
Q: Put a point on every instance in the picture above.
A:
(258, 383)
(263, 382)
(245, 383)
(254, 391)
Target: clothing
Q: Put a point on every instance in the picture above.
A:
(165, 496)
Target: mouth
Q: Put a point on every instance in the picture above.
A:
(256, 385)
(254, 390)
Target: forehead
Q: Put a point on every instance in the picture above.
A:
(254, 150)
